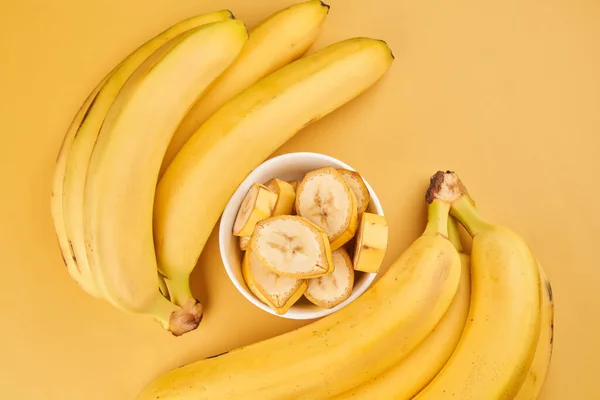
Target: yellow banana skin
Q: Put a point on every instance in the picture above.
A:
(80, 275)
(275, 42)
(543, 354)
(404, 380)
(74, 156)
(123, 169)
(342, 350)
(267, 114)
(497, 348)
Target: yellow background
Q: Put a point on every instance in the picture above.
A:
(506, 93)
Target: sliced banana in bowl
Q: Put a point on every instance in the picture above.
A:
(258, 204)
(358, 187)
(324, 198)
(329, 291)
(292, 246)
(276, 291)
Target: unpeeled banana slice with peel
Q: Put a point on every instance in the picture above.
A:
(371, 242)
(244, 242)
(286, 196)
(258, 204)
(292, 246)
(276, 291)
(358, 187)
(324, 198)
(329, 291)
(295, 187)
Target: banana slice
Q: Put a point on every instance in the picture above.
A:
(371, 242)
(325, 199)
(286, 196)
(329, 291)
(276, 291)
(356, 183)
(244, 242)
(257, 205)
(292, 246)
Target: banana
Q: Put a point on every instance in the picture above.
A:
(71, 169)
(266, 115)
(244, 242)
(324, 198)
(360, 190)
(257, 205)
(543, 354)
(329, 291)
(286, 196)
(123, 169)
(499, 341)
(342, 350)
(276, 291)
(280, 39)
(81, 276)
(292, 246)
(371, 242)
(407, 378)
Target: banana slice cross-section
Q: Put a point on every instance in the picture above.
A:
(292, 246)
(256, 206)
(371, 242)
(329, 291)
(324, 198)
(360, 190)
(286, 195)
(276, 291)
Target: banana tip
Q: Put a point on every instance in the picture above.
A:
(187, 319)
(445, 186)
(327, 6)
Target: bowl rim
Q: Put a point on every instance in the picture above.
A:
(224, 235)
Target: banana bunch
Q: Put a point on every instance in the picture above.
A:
(129, 202)
(440, 324)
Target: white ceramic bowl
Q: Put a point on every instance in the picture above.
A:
(291, 166)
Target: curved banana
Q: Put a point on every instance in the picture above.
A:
(82, 276)
(499, 341)
(543, 354)
(342, 350)
(123, 169)
(74, 156)
(266, 115)
(411, 375)
(275, 42)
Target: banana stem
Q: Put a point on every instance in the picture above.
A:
(437, 218)
(454, 234)
(464, 210)
(448, 188)
(179, 290)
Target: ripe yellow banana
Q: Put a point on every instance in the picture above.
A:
(404, 380)
(82, 276)
(498, 345)
(543, 354)
(342, 350)
(278, 40)
(123, 169)
(266, 115)
(74, 156)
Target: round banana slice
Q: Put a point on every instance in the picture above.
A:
(244, 242)
(329, 291)
(325, 199)
(257, 205)
(292, 246)
(371, 242)
(278, 292)
(286, 196)
(356, 183)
